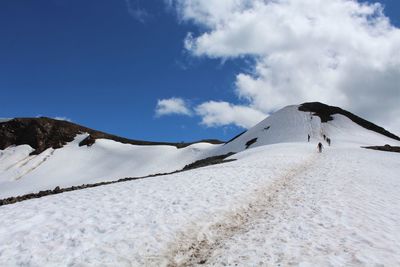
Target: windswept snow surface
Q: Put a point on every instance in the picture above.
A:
(72, 165)
(280, 204)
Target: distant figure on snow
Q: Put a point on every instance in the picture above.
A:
(308, 138)
(320, 146)
(328, 140)
(324, 137)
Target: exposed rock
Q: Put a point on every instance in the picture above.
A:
(250, 142)
(386, 148)
(208, 161)
(325, 112)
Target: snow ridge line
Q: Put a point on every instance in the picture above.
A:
(196, 244)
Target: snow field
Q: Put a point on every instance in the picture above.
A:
(137, 223)
(72, 165)
(280, 203)
(342, 211)
(107, 160)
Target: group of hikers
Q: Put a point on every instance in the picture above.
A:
(320, 146)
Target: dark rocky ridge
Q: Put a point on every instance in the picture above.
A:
(325, 112)
(43, 133)
(386, 148)
(250, 142)
(209, 161)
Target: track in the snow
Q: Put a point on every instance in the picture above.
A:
(195, 246)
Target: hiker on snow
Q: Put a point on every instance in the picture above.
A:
(320, 146)
(308, 138)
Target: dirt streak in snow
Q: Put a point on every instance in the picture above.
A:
(196, 244)
(40, 160)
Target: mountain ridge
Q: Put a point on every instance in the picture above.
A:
(42, 154)
(43, 133)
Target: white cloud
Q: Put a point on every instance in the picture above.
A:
(340, 52)
(172, 106)
(138, 13)
(222, 113)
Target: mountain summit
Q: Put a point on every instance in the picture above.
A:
(294, 124)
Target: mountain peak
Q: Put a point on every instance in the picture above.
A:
(295, 122)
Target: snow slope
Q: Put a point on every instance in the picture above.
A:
(281, 204)
(108, 160)
(291, 125)
(343, 210)
(105, 160)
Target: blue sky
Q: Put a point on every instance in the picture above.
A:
(97, 64)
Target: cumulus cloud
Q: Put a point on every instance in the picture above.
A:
(222, 113)
(341, 52)
(172, 106)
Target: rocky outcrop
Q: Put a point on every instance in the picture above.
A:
(325, 112)
(39, 133)
(209, 161)
(387, 148)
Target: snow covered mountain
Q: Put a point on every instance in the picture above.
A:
(278, 203)
(295, 123)
(42, 153)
